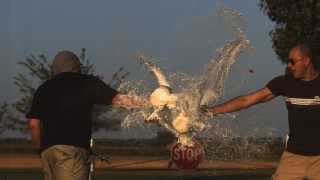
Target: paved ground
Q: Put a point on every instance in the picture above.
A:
(25, 161)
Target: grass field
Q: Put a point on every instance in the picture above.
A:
(26, 166)
(261, 149)
(136, 160)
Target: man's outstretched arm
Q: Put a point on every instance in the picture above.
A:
(242, 102)
(130, 101)
(35, 131)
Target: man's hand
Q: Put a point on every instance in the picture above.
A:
(130, 101)
(204, 109)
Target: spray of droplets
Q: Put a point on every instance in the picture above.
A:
(193, 91)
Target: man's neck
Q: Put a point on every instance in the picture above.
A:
(311, 74)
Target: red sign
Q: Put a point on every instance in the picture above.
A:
(187, 157)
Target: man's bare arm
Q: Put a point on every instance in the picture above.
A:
(242, 102)
(35, 130)
(130, 101)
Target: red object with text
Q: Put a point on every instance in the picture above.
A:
(187, 157)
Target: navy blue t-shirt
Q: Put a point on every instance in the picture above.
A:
(64, 106)
(303, 104)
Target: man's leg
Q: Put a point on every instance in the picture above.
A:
(314, 168)
(71, 163)
(291, 167)
(47, 164)
(68, 163)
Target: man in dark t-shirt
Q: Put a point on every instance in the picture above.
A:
(301, 91)
(60, 117)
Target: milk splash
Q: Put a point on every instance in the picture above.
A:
(178, 110)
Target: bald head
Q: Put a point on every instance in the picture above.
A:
(65, 61)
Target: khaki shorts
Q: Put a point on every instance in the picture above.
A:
(64, 162)
(298, 167)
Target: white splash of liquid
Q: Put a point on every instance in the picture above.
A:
(184, 106)
(177, 109)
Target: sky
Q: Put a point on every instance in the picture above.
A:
(182, 34)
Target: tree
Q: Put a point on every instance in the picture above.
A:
(3, 117)
(295, 22)
(38, 70)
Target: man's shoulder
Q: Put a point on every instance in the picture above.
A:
(45, 84)
(83, 76)
(75, 77)
(279, 84)
(91, 79)
(283, 78)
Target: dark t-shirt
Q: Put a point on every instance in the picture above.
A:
(303, 103)
(64, 106)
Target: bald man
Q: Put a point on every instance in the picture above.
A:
(60, 117)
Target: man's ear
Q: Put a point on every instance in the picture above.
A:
(307, 60)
